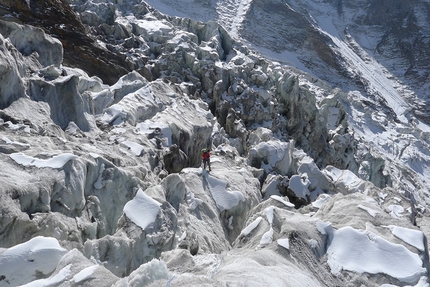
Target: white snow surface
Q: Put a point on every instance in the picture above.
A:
(267, 238)
(57, 161)
(85, 274)
(299, 185)
(8, 141)
(135, 148)
(248, 229)
(319, 202)
(225, 199)
(363, 251)
(284, 242)
(142, 210)
(58, 278)
(372, 212)
(410, 236)
(21, 263)
(282, 200)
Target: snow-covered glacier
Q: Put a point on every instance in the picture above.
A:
(317, 179)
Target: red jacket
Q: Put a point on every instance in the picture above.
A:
(206, 155)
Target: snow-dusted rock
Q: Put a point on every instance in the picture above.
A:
(317, 179)
(272, 156)
(271, 185)
(346, 181)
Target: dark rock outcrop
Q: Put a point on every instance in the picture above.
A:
(58, 19)
(175, 160)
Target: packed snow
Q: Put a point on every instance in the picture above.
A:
(56, 279)
(284, 242)
(225, 199)
(282, 200)
(142, 210)
(84, 274)
(410, 236)
(362, 251)
(372, 212)
(248, 229)
(57, 161)
(24, 262)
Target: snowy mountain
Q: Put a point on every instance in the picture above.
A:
(315, 113)
(339, 41)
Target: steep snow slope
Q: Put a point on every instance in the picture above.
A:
(311, 184)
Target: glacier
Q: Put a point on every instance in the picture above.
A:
(318, 178)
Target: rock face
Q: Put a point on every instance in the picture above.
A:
(80, 49)
(101, 165)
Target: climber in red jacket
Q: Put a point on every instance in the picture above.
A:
(206, 157)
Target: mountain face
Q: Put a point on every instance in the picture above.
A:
(307, 34)
(314, 111)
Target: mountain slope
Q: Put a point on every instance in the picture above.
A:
(394, 34)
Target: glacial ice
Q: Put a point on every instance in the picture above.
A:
(85, 164)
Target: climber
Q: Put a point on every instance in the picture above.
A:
(206, 157)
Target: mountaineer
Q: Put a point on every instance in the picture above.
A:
(206, 157)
